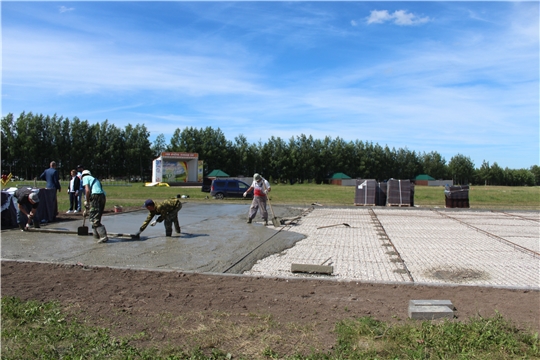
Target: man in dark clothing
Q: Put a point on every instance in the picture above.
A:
(167, 211)
(28, 202)
(51, 177)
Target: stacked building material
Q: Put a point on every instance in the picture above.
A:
(399, 193)
(456, 196)
(365, 192)
(380, 195)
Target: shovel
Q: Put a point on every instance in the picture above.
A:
(275, 220)
(82, 230)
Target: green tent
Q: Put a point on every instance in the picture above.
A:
(217, 173)
(423, 177)
(339, 176)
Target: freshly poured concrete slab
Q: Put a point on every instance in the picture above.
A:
(214, 238)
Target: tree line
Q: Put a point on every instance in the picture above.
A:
(30, 142)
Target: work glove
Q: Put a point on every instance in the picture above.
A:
(86, 204)
(245, 194)
(137, 235)
(159, 219)
(153, 223)
(265, 191)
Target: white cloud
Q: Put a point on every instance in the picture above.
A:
(354, 23)
(378, 17)
(399, 17)
(64, 9)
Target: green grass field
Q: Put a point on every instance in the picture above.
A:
(33, 330)
(480, 197)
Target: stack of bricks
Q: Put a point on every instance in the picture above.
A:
(366, 190)
(399, 193)
(456, 196)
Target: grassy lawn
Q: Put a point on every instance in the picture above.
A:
(480, 197)
(33, 330)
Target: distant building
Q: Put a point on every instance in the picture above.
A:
(177, 167)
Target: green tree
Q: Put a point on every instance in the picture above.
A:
(434, 165)
(535, 170)
(159, 146)
(461, 168)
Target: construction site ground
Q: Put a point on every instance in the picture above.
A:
(485, 262)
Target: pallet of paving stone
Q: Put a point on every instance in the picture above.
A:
(456, 203)
(457, 192)
(398, 193)
(365, 192)
(456, 196)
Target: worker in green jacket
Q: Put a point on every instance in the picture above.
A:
(167, 212)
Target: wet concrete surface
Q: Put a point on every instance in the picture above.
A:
(215, 238)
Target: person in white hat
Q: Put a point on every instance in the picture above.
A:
(261, 188)
(94, 205)
(28, 202)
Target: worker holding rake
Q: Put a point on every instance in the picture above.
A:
(261, 188)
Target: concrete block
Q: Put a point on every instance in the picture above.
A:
(432, 303)
(312, 269)
(430, 312)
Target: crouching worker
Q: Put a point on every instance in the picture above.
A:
(167, 212)
(94, 205)
(28, 202)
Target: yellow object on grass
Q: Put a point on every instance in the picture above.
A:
(156, 184)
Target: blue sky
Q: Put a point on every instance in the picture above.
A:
(451, 77)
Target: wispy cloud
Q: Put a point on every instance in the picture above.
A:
(399, 17)
(63, 9)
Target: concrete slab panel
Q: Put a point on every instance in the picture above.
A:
(312, 269)
(430, 312)
(432, 303)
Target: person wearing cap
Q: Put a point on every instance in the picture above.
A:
(80, 169)
(167, 212)
(94, 205)
(261, 188)
(28, 202)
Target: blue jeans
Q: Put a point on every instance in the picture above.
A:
(22, 219)
(81, 194)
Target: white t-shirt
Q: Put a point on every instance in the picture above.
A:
(258, 187)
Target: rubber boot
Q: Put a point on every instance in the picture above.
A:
(36, 224)
(21, 226)
(96, 235)
(168, 232)
(265, 222)
(249, 221)
(177, 227)
(102, 234)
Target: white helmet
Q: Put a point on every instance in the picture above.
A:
(257, 177)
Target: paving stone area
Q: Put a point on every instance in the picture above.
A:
(367, 244)
(422, 246)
